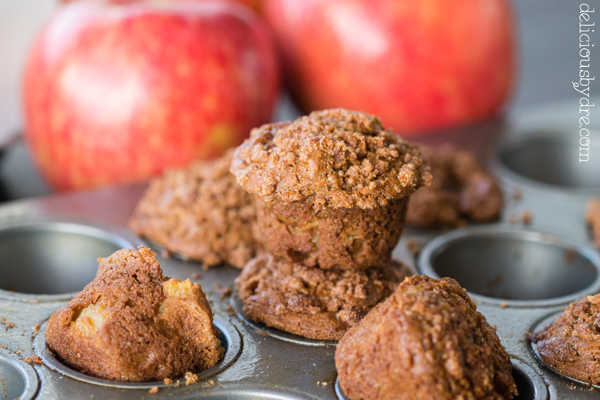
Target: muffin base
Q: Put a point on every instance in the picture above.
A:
(345, 238)
(312, 302)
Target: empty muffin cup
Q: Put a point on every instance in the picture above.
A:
(505, 265)
(230, 340)
(52, 259)
(18, 379)
(552, 159)
(345, 238)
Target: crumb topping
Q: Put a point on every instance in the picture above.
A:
(332, 158)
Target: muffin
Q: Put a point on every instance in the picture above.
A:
(571, 344)
(593, 218)
(131, 323)
(312, 302)
(461, 191)
(200, 213)
(332, 188)
(426, 341)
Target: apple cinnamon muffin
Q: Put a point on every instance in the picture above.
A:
(313, 302)
(332, 188)
(461, 191)
(199, 212)
(426, 341)
(571, 344)
(132, 323)
(593, 218)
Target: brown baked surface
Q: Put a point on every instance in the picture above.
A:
(199, 212)
(571, 344)
(331, 159)
(131, 323)
(345, 238)
(593, 218)
(426, 341)
(461, 191)
(312, 302)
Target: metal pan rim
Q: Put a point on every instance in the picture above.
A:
(244, 391)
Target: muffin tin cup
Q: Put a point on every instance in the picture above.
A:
(230, 340)
(51, 259)
(18, 379)
(238, 308)
(549, 159)
(530, 384)
(507, 266)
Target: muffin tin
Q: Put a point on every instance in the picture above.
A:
(520, 275)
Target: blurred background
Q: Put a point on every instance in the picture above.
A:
(547, 61)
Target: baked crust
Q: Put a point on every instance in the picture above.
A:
(312, 302)
(571, 344)
(461, 191)
(426, 341)
(131, 323)
(199, 212)
(329, 159)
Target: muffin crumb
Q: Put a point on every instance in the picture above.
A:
(32, 360)
(222, 291)
(593, 218)
(190, 378)
(526, 217)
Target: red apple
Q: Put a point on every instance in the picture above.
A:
(117, 92)
(255, 4)
(418, 64)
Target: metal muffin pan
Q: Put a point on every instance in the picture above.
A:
(274, 365)
(17, 378)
